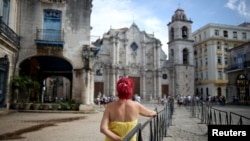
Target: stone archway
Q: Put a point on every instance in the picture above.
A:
(46, 69)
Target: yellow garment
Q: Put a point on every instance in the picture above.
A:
(122, 129)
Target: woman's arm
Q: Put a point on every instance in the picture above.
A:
(104, 126)
(146, 112)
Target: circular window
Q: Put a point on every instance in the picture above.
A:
(164, 76)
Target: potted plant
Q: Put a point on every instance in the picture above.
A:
(73, 105)
(26, 86)
(27, 105)
(55, 106)
(17, 84)
(65, 105)
(36, 105)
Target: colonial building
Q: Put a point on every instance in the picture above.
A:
(212, 42)
(238, 72)
(139, 55)
(9, 46)
(55, 42)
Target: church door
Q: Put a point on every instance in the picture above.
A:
(98, 89)
(137, 85)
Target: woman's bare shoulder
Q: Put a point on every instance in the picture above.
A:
(111, 104)
(134, 103)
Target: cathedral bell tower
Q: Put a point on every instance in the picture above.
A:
(181, 55)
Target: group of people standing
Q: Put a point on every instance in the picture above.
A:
(216, 100)
(103, 100)
(210, 100)
(184, 100)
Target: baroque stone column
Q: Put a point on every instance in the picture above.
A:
(113, 81)
(87, 100)
(143, 84)
(158, 71)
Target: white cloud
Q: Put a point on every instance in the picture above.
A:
(231, 4)
(242, 9)
(108, 14)
(240, 6)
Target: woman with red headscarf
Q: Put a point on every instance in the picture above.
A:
(120, 117)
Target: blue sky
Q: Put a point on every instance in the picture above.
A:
(153, 16)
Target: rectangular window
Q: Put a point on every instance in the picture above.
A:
(225, 34)
(226, 47)
(52, 25)
(240, 60)
(218, 46)
(225, 60)
(216, 32)
(235, 35)
(244, 35)
(219, 60)
(220, 75)
(5, 11)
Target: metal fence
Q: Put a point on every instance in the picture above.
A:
(154, 129)
(213, 116)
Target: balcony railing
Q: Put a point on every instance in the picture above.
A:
(9, 33)
(236, 66)
(49, 37)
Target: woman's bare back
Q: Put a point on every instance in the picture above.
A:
(123, 110)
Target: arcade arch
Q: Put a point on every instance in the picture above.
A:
(53, 73)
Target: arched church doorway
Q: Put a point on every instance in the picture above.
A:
(242, 85)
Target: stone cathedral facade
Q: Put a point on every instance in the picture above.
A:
(135, 54)
(139, 55)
